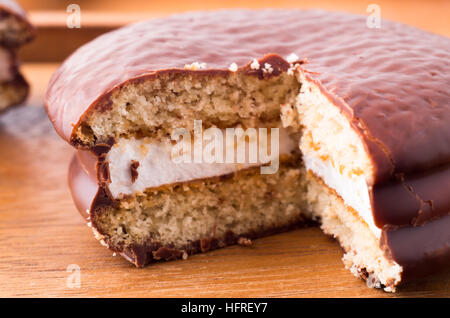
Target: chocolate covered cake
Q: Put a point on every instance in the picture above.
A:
(358, 123)
(15, 30)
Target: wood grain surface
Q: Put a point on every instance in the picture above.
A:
(55, 41)
(41, 234)
(432, 15)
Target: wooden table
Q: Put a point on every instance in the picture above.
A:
(41, 234)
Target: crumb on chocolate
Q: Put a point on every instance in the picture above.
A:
(267, 68)
(195, 66)
(233, 67)
(254, 65)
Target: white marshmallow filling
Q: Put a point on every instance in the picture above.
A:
(159, 166)
(333, 151)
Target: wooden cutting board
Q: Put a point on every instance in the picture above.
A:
(42, 236)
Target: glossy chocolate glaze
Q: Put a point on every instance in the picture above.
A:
(83, 186)
(413, 200)
(391, 82)
(421, 250)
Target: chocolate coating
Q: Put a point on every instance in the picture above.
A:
(83, 187)
(421, 250)
(414, 200)
(392, 82)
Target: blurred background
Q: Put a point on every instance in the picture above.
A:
(55, 41)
